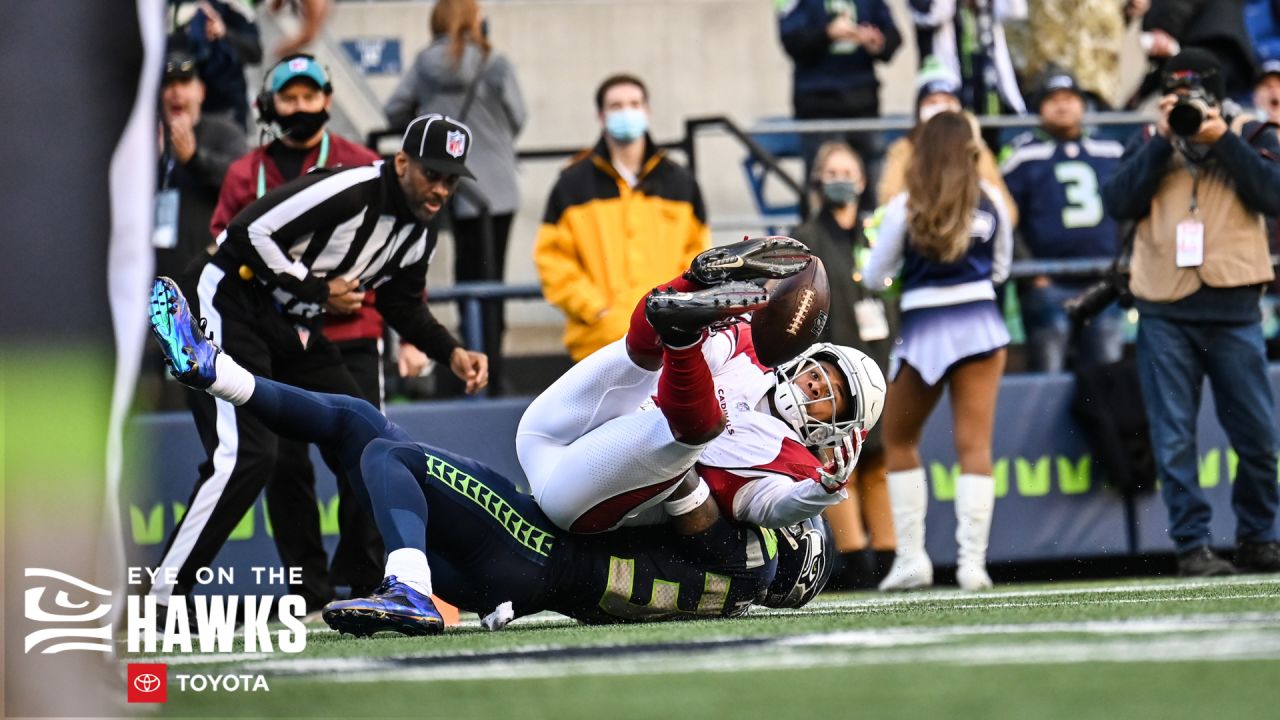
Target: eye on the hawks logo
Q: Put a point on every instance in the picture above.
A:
(148, 683)
(455, 143)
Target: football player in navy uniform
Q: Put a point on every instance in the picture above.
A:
(1055, 174)
(456, 527)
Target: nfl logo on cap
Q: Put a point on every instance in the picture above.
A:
(298, 64)
(455, 143)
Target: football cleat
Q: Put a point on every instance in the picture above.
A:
(680, 317)
(764, 258)
(394, 607)
(187, 351)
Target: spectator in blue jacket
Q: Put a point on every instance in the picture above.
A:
(834, 45)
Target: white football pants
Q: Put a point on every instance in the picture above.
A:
(595, 462)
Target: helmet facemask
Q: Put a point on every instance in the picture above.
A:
(794, 404)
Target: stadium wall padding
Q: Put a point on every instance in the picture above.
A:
(1050, 504)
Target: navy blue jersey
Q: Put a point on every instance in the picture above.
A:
(489, 543)
(1057, 186)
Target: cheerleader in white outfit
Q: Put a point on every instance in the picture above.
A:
(949, 241)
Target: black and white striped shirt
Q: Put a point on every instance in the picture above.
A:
(352, 223)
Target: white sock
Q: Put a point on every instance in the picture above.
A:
(233, 384)
(410, 567)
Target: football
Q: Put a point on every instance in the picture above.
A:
(795, 316)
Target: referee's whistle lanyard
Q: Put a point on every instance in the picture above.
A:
(321, 161)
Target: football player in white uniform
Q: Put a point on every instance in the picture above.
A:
(683, 399)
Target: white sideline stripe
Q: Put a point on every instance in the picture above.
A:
(224, 457)
(1224, 647)
(1216, 637)
(836, 608)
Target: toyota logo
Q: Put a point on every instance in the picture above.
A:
(146, 683)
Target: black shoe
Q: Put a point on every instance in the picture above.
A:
(1203, 562)
(680, 317)
(1262, 557)
(752, 259)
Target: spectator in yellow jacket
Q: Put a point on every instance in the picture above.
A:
(622, 218)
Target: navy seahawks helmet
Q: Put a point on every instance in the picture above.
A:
(805, 559)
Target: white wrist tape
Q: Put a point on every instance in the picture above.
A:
(690, 502)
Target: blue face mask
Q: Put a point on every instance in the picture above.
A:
(626, 125)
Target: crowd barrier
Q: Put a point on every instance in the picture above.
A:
(1051, 504)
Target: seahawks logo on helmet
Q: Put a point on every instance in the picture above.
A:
(804, 564)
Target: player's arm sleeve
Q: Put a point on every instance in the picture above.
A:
(802, 26)
(260, 233)
(1127, 195)
(775, 501)
(886, 255)
(565, 283)
(400, 300)
(1003, 254)
(1256, 176)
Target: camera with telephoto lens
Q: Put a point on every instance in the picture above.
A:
(1188, 112)
(1094, 299)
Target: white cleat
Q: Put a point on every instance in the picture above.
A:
(908, 574)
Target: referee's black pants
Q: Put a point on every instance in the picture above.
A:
(242, 454)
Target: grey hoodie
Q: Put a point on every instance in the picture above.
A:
(496, 115)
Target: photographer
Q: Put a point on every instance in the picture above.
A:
(1198, 186)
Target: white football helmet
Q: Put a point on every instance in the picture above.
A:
(863, 379)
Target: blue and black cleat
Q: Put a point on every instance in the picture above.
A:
(189, 354)
(393, 607)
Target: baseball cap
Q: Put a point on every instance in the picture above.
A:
(298, 67)
(1269, 67)
(1057, 80)
(934, 77)
(179, 65)
(438, 143)
(1194, 66)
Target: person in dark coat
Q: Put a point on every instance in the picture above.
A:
(859, 319)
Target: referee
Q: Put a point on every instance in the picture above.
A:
(313, 244)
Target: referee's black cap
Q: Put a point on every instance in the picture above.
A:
(438, 143)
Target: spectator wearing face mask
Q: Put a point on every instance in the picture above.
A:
(621, 219)
(863, 522)
(937, 91)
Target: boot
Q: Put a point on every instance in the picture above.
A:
(908, 496)
(975, 501)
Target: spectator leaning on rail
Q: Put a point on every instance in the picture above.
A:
(621, 219)
(460, 63)
(1055, 173)
(858, 319)
(1199, 187)
(949, 239)
(834, 46)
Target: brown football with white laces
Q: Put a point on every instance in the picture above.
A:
(795, 316)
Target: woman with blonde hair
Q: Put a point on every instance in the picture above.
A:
(949, 240)
(460, 75)
(859, 319)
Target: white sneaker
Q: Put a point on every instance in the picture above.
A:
(973, 577)
(908, 573)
